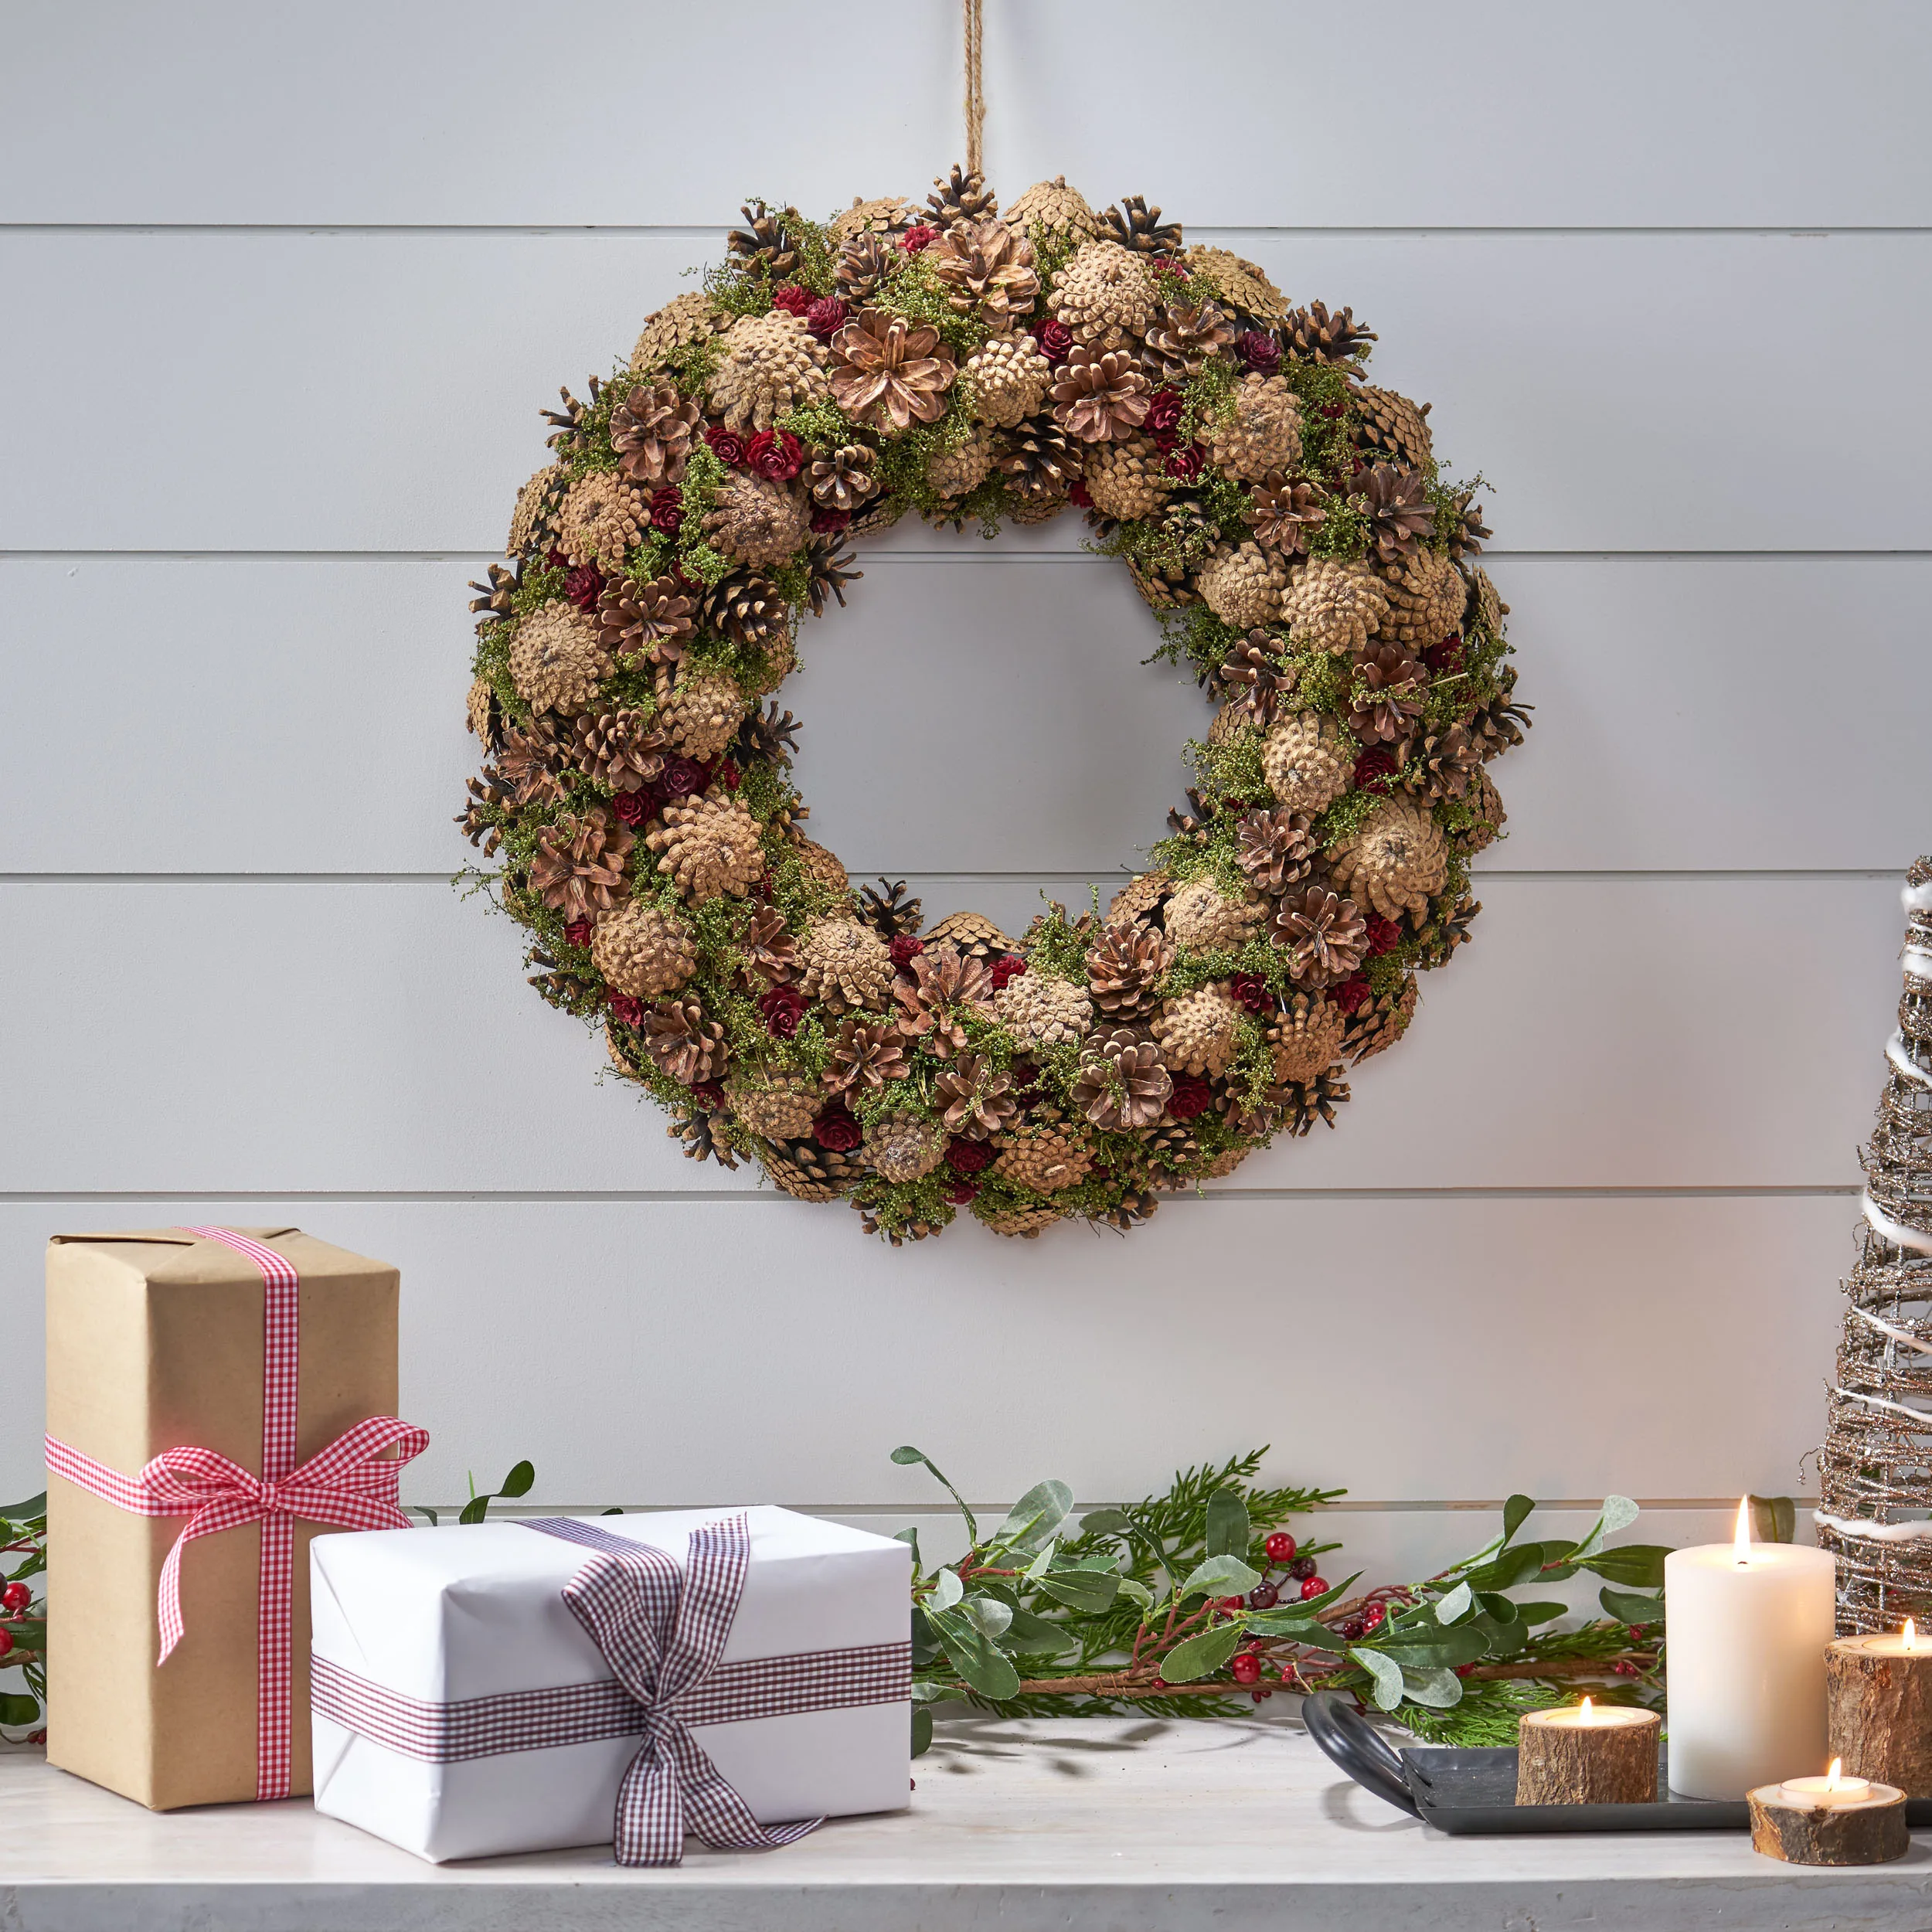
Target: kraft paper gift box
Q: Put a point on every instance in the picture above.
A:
(158, 1341)
(445, 1660)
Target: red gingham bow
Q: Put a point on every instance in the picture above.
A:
(352, 1484)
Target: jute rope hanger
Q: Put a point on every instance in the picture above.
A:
(975, 88)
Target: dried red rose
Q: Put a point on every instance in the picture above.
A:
(1055, 338)
(728, 775)
(1331, 410)
(1186, 464)
(1191, 1097)
(781, 1009)
(836, 1130)
(792, 299)
(1352, 994)
(958, 1192)
(578, 932)
(905, 949)
(726, 445)
(1006, 968)
(774, 454)
(1384, 935)
(680, 778)
(1375, 771)
(1445, 656)
(630, 807)
(824, 519)
(1164, 409)
(1259, 352)
(1079, 493)
(667, 509)
(916, 240)
(583, 586)
(967, 1156)
(710, 1092)
(826, 318)
(1252, 990)
(624, 1007)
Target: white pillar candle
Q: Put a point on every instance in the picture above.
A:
(1746, 1627)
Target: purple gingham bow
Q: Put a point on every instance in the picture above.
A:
(662, 1631)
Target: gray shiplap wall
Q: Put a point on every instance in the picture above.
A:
(285, 290)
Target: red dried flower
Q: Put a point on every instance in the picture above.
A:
(781, 1009)
(726, 445)
(584, 585)
(1186, 464)
(826, 318)
(1331, 410)
(710, 1092)
(1252, 990)
(555, 559)
(916, 240)
(680, 778)
(578, 932)
(1191, 1097)
(1079, 493)
(905, 949)
(1055, 338)
(1375, 771)
(824, 519)
(628, 1009)
(958, 1192)
(1384, 935)
(967, 1156)
(836, 1130)
(1259, 352)
(1352, 994)
(774, 454)
(1164, 410)
(728, 775)
(630, 807)
(1445, 656)
(667, 509)
(792, 299)
(1007, 967)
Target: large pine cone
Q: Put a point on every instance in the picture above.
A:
(867, 1054)
(578, 867)
(1306, 1039)
(643, 952)
(1275, 849)
(709, 846)
(1185, 340)
(755, 521)
(1121, 1083)
(905, 1146)
(1200, 1032)
(1104, 294)
(1059, 210)
(1447, 762)
(808, 1171)
(601, 518)
(976, 1097)
(533, 522)
(973, 935)
(1099, 396)
(747, 608)
(1314, 335)
(1244, 288)
(1009, 378)
(1392, 423)
(1242, 584)
(1391, 684)
(845, 965)
(557, 659)
(650, 622)
(952, 473)
(986, 270)
(888, 372)
(820, 862)
(1326, 938)
(620, 749)
(1396, 861)
(1201, 916)
(1375, 1027)
(1040, 462)
(1045, 1159)
(1427, 596)
(1124, 966)
(686, 318)
(783, 1109)
(687, 1046)
(650, 429)
(772, 365)
(1263, 434)
(1125, 480)
(1400, 515)
(702, 714)
(1308, 759)
(1334, 606)
(941, 983)
(1041, 1012)
(1026, 1223)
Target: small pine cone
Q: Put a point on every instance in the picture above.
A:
(1157, 592)
(986, 269)
(1482, 831)
(1242, 584)
(1045, 1159)
(864, 262)
(1390, 684)
(1447, 763)
(783, 1109)
(1125, 480)
(881, 214)
(865, 1053)
(533, 522)
(1041, 1012)
(1334, 606)
(1124, 966)
(757, 522)
(1201, 916)
(1313, 335)
(748, 609)
(1139, 897)
(844, 479)
(1375, 1027)
(602, 517)
(709, 846)
(1040, 462)
(963, 196)
(1059, 210)
(1308, 759)
(557, 659)
(820, 863)
(650, 430)
(702, 714)
(1485, 606)
(651, 621)
(1173, 1150)
(1307, 1039)
(1326, 937)
(1275, 849)
(1427, 596)
(1104, 294)
(1008, 379)
(905, 1146)
(1391, 424)
(1262, 435)
(1200, 1032)
(845, 965)
(687, 1046)
(954, 472)
(1122, 1084)
(977, 1099)
(1395, 862)
(1244, 287)
(643, 952)
(975, 937)
(689, 318)
(809, 1172)
(1024, 1223)
(1185, 338)
(481, 713)
(620, 749)
(1223, 1164)
(1498, 725)
(772, 365)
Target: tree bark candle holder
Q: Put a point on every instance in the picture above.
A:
(1583, 1756)
(1803, 1823)
(1879, 1712)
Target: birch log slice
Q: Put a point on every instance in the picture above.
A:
(1881, 1712)
(1871, 1832)
(1609, 1759)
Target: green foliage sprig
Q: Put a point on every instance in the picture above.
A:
(23, 1556)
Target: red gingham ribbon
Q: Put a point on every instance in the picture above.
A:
(351, 1483)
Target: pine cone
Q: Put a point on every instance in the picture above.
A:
(1482, 830)
(1039, 461)
(497, 598)
(1008, 377)
(771, 366)
(1297, 1108)
(1125, 480)
(746, 608)
(844, 479)
(845, 965)
(987, 271)
(1104, 293)
(962, 198)
(976, 1097)
(767, 947)
(1276, 849)
(1243, 584)
(1425, 597)
(1099, 397)
(1392, 423)
(976, 937)
(1398, 515)
(1467, 534)
(1308, 759)
(1498, 725)
(820, 863)
(1058, 210)
(883, 214)
(1045, 1157)
(941, 983)
(557, 659)
(708, 845)
(1024, 1223)
(1140, 896)
(533, 522)
(809, 1172)
(1200, 1032)
(952, 473)
(889, 912)
(482, 714)
(1485, 607)
(765, 243)
(601, 518)
(1314, 335)
(1376, 1027)
(1041, 1012)
(1307, 1039)
(864, 262)
(1201, 916)
(1173, 1150)
(782, 1110)
(686, 318)
(620, 749)
(1396, 861)
(1281, 514)
(648, 623)
(865, 1053)
(1135, 225)
(642, 952)
(1184, 340)
(701, 715)
(1334, 606)
(888, 373)
(1448, 762)
(1125, 968)
(1326, 937)
(696, 1127)
(1244, 288)
(1121, 1083)
(755, 522)
(905, 1146)
(1389, 686)
(530, 763)
(578, 866)
(1261, 435)
(650, 430)
(1255, 679)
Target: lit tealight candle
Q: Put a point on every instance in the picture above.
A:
(1833, 1788)
(1580, 1755)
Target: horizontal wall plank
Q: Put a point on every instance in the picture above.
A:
(1410, 1349)
(1499, 112)
(1607, 1033)
(986, 714)
(297, 391)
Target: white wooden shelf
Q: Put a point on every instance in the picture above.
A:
(1078, 1826)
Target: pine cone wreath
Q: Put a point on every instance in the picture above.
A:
(1008, 379)
(1389, 689)
(1121, 1083)
(1384, 421)
(843, 478)
(976, 1098)
(939, 985)
(888, 373)
(557, 659)
(1244, 288)
(1262, 433)
(986, 270)
(1334, 606)
(1046, 1156)
(845, 965)
(1040, 462)
(808, 1171)
(646, 622)
(1373, 1029)
(747, 608)
(650, 429)
(1135, 225)
(1184, 339)
(954, 472)
(1427, 596)
(1396, 861)
(1201, 916)
(685, 319)
(865, 1053)
(756, 521)
(533, 522)
(1275, 849)
(782, 1109)
(1057, 210)
(1280, 514)
(1311, 335)
(1243, 584)
(708, 846)
(771, 366)
(1125, 968)
(1041, 1012)
(1324, 935)
(1306, 1039)
(577, 869)
(601, 517)
(620, 749)
(1100, 396)
(882, 214)
(701, 714)
(1104, 294)
(903, 1146)
(976, 937)
(1200, 1032)
(1125, 480)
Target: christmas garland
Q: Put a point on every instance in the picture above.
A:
(1307, 558)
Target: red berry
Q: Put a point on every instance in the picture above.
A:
(1354, 1628)
(6, 1643)
(1463, 1670)
(1312, 1586)
(1281, 1547)
(1159, 1683)
(1267, 1690)
(1247, 1669)
(1263, 1597)
(16, 1597)
(1287, 1673)
(1230, 1603)
(1302, 1568)
(1374, 1615)
(1635, 1633)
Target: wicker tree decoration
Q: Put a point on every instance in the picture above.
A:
(1875, 1470)
(1303, 551)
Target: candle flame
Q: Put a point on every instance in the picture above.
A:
(1583, 1710)
(1741, 1543)
(1910, 1634)
(1831, 1776)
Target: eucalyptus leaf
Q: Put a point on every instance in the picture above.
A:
(987, 1671)
(1541, 1613)
(946, 1590)
(1511, 1567)
(1629, 1607)
(1044, 1562)
(1515, 1513)
(906, 1455)
(925, 1691)
(1220, 1577)
(1504, 1609)
(1105, 1522)
(1229, 1531)
(1636, 1566)
(1029, 1635)
(16, 1709)
(1619, 1513)
(1035, 1516)
(1088, 1589)
(1773, 1519)
(1440, 1690)
(1136, 1591)
(1284, 1623)
(1455, 1605)
(989, 1613)
(1309, 1605)
(22, 1512)
(1386, 1677)
(1201, 1655)
(921, 1731)
(925, 1640)
(1461, 1645)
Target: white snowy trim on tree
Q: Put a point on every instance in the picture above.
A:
(1896, 1232)
(1879, 1401)
(1877, 1533)
(1916, 899)
(1897, 1334)
(1900, 1056)
(1918, 963)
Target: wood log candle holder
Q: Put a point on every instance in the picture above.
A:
(1582, 1755)
(1880, 1710)
(1805, 1829)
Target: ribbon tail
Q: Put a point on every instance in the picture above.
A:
(650, 1814)
(715, 1811)
(167, 1599)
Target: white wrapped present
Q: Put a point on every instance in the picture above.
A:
(516, 1686)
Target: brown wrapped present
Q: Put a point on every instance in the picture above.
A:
(216, 1399)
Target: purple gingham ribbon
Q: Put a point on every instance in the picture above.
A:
(662, 1631)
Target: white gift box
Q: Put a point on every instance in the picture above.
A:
(411, 1627)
